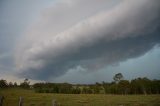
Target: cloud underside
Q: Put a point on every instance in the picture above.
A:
(105, 36)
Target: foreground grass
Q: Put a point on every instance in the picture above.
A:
(45, 99)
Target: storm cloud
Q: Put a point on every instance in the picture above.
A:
(90, 34)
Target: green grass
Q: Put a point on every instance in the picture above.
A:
(43, 99)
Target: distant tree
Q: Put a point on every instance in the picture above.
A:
(98, 84)
(65, 88)
(3, 83)
(155, 87)
(15, 84)
(141, 86)
(124, 87)
(144, 82)
(113, 88)
(134, 87)
(106, 87)
(10, 84)
(118, 77)
(96, 87)
(55, 89)
(76, 90)
(86, 90)
(25, 84)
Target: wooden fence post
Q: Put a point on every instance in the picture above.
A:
(1, 100)
(21, 101)
(54, 102)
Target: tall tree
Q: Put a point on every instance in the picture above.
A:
(118, 77)
(15, 84)
(10, 84)
(3, 83)
(124, 87)
(25, 84)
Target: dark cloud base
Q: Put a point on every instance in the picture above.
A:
(100, 54)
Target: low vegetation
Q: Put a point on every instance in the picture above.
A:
(31, 98)
(120, 92)
(118, 86)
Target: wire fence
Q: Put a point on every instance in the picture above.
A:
(21, 101)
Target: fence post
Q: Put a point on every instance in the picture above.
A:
(21, 101)
(1, 100)
(54, 102)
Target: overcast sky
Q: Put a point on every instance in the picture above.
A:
(79, 41)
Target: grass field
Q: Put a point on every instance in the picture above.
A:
(43, 99)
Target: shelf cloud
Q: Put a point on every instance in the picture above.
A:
(89, 34)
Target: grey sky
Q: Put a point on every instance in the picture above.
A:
(79, 41)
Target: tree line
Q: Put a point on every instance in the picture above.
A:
(25, 84)
(118, 86)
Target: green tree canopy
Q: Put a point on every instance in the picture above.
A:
(118, 77)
